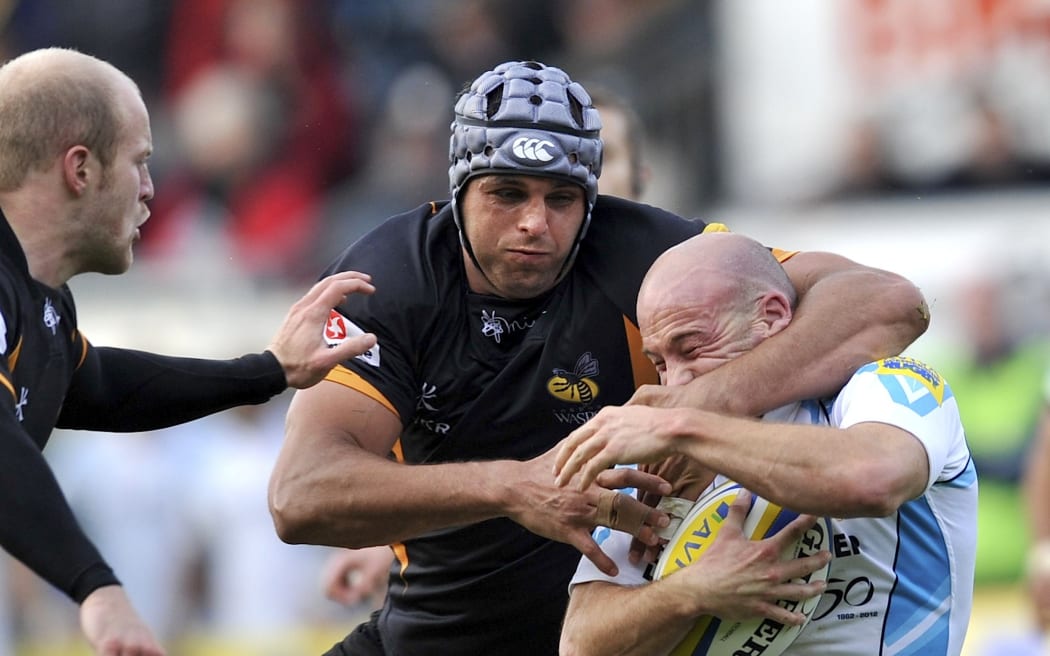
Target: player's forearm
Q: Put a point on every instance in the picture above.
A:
(865, 471)
(365, 500)
(847, 316)
(605, 619)
(852, 317)
(124, 390)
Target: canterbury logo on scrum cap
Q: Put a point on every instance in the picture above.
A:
(534, 150)
(339, 329)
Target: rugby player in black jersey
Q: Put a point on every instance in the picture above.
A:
(505, 319)
(353, 575)
(74, 186)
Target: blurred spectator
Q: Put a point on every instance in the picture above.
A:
(619, 43)
(625, 170)
(953, 96)
(469, 34)
(134, 512)
(254, 588)
(124, 32)
(998, 381)
(265, 127)
(406, 156)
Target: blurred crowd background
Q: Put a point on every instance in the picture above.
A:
(914, 136)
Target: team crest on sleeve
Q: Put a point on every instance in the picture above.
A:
(338, 329)
(911, 383)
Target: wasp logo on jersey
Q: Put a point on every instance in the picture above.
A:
(339, 329)
(575, 386)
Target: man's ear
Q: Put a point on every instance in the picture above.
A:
(776, 312)
(78, 167)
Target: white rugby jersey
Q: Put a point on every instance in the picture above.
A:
(901, 584)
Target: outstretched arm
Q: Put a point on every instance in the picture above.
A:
(847, 315)
(121, 390)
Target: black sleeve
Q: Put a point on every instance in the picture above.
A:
(37, 526)
(123, 390)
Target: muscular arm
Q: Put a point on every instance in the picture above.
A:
(866, 470)
(613, 620)
(333, 485)
(847, 315)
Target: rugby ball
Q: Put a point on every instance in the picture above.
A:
(711, 636)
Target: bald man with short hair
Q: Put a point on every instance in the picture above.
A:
(885, 459)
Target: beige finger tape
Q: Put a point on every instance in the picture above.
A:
(621, 511)
(676, 508)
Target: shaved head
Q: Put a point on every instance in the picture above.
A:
(708, 300)
(712, 264)
(52, 99)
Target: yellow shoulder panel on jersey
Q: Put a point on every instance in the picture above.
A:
(343, 376)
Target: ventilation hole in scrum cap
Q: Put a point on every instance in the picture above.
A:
(576, 109)
(536, 66)
(574, 159)
(536, 100)
(493, 100)
(489, 150)
(535, 80)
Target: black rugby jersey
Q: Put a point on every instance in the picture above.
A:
(50, 376)
(475, 377)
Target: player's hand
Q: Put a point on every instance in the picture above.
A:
(351, 575)
(616, 435)
(688, 480)
(299, 343)
(569, 515)
(739, 578)
(112, 626)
